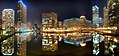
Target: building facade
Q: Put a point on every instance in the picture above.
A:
(7, 18)
(49, 39)
(113, 6)
(60, 24)
(95, 15)
(105, 13)
(49, 20)
(76, 27)
(7, 46)
(77, 22)
(22, 26)
(22, 13)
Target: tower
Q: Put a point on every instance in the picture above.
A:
(7, 46)
(22, 21)
(7, 18)
(49, 40)
(95, 15)
(105, 11)
(22, 13)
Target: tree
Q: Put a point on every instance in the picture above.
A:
(113, 6)
(113, 12)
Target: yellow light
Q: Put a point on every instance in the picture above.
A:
(49, 35)
(83, 44)
(46, 34)
(115, 28)
(48, 28)
(43, 34)
(43, 28)
(115, 40)
(57, 34)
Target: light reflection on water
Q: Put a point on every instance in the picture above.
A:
(110, 43)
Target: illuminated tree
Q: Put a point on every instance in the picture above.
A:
(113, 6)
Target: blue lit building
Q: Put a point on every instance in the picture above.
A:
(75, 26)
(77, 22)
(21, 25)
(22, 13)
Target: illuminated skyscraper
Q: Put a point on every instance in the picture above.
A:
(95, 15)
(105, 11)
(7, 18)
(22, 26)
(49, 40)
(22, 13)
(49, 20)
(0, 23)
(7, 46)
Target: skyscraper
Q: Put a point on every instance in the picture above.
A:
(95, 15)
(21, 26)
(7, 18)
(49, 40)
(105, 11)
(22, 13)
(49, 20)
(7, 24)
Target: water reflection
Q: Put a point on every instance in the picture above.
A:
(50, 42)
(7, 46)
(110, 43)
(96, 41)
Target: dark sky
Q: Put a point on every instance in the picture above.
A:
(64, 8)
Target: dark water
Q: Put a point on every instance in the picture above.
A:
(34, 48)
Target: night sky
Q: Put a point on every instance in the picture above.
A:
(64, 8)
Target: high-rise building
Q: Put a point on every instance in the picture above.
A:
(22, 13)
(49, 20)
(105, 22)
(7, 18)
(0, 23)
(49, 39)
(7, 46)
(95, 15)
(22, 26)
(0, 26)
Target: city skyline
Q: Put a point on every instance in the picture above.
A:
(59, 27)
(64, 9)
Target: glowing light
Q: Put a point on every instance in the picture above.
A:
(22, 3)
(115, 40)
(25, 31)
(83, 44)
(8, 9)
